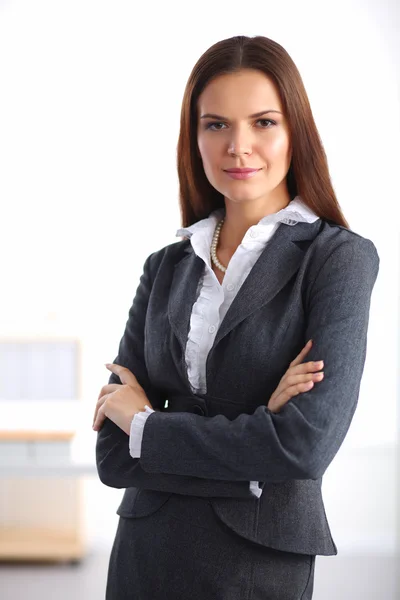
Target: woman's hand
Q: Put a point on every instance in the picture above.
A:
(120, 403)
(298, 378)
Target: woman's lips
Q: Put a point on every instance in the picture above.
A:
(242, 174)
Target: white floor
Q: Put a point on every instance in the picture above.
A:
(336, 578)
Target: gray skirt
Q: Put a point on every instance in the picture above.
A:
(183, 551)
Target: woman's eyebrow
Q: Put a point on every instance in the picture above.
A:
(259, 114)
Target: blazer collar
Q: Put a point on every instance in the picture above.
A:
(278, 262)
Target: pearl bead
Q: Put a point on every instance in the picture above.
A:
(214, 245)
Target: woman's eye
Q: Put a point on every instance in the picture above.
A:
(212, 125)
(266, 121)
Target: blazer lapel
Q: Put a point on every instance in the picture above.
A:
(187, 273)
(278, 262)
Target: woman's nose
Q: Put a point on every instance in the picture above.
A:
(238, 149)
(239, 144)
(239, 152)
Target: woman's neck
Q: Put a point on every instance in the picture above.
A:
(239, 218)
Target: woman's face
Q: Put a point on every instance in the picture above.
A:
(233, 138)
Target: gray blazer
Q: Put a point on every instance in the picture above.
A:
(312, 280)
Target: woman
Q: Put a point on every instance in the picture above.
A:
(223, 481)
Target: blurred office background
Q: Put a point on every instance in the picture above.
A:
(89, 119)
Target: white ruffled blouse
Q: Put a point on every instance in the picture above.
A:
(213, 299)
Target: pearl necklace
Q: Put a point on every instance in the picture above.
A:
(214, 245)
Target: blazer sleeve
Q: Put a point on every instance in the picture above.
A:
(300, 441)
(115, 466)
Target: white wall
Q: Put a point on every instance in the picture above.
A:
(89, 116)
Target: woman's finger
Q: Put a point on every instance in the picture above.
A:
(109, 387)
(302, 354)
(295, 390)
(284, 397)
(297, 374)
(296, 379)
(105, 391)
(126, 376)
(99, 404)
(100, 417)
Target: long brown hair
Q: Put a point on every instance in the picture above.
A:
(308, 174)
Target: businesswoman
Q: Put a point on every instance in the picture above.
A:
(218, 420)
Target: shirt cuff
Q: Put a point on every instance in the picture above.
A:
(136, 432)
(257, 491)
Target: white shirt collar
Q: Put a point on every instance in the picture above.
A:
(296, 211)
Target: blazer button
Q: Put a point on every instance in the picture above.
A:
(198, 410)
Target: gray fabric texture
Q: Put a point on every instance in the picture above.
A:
(184, 551)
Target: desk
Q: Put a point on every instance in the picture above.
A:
(41, 500)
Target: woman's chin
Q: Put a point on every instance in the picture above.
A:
(243, 195)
